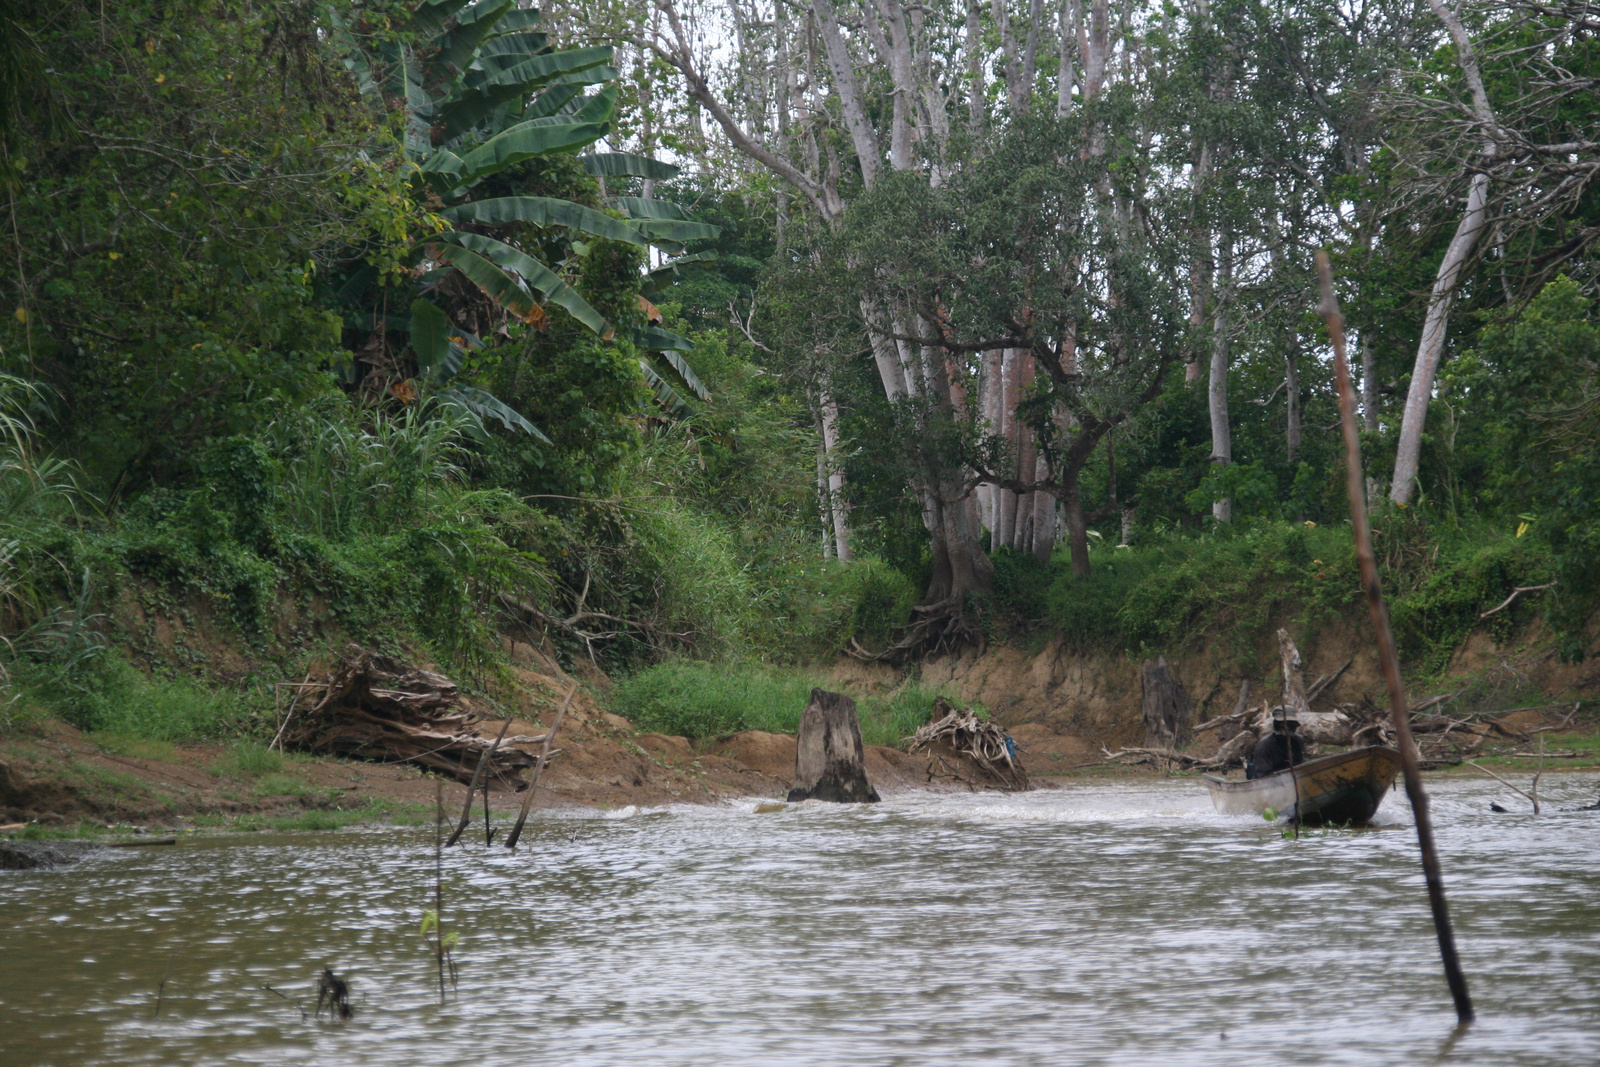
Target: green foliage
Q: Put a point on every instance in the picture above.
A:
(1432, 622)
(109, 695)
(709, 700)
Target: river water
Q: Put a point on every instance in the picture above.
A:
(1102, 923)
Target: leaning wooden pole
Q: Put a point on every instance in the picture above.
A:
(1391, 662)
(472, 788)
(538, 768)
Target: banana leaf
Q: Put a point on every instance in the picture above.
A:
(628, 165)
(639, 208)
(471, 253)
(677, 230)
(437, 356)
(545, 211)
(666, 396)
(539, 69)
(486, 405)
(524, 142)
(477, 22)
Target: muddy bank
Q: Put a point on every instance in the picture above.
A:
(1064, 705)
(61, 777)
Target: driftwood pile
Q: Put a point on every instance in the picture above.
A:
(376, 708)
(1442, 740)
(964, 734)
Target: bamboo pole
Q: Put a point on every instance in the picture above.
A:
(1386, 650)
(538, 768)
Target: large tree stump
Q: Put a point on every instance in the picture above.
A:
(1166, 705)
(830, 761)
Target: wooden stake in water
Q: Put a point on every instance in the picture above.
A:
(538, 769)
(1386, 652)
(478, 778)
(438, 879)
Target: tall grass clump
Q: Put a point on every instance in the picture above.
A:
(109, 695)
(697, 700)
(708, 700)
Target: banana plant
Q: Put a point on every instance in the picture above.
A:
(483, 92)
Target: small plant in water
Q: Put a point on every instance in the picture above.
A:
(443, 944)
(1269, 814)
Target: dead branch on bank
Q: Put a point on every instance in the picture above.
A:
(1167, 758)
(963, 733)
(1516, 591)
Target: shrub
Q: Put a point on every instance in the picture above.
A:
(702, 700)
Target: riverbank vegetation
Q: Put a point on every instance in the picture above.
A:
(881, 331)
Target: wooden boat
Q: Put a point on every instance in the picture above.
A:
(1345, 788)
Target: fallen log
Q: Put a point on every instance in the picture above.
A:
(376, 708)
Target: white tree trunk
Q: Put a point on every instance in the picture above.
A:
(1436, 323)
(1408, 449)
(1070, 16)
(839, 509)
(1217, 392)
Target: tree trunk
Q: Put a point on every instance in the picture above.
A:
(838, 508)
(1166, 705)
(1294, 682)
(976, 109)
(992, 387)
(1027, 458)
(1077, 528)
(1408, 449)
(1217, 393)
(1436, 323)
(830, 760)
(1067, 72)
(1199, 261)
(1044, 516)
(1291, 385)
(823, 510)
(1369, 411)
(1007, 519)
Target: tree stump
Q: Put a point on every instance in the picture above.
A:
(1166, 705)
(830, 761)
(1316, 727)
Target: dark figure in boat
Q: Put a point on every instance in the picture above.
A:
(1279, 750)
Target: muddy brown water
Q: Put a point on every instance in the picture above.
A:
(1103, 923)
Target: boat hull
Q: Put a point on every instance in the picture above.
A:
(1344, 788)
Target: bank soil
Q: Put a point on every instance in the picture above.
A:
(1062, 707)
(61, 776)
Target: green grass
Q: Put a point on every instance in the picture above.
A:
(282, 785)
(700, 700)
(135, 747)
(249, 760)
(102, 782)
(112, 696)
(376, 810)
(36, 832)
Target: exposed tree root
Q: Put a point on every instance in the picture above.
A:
(942, 628)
